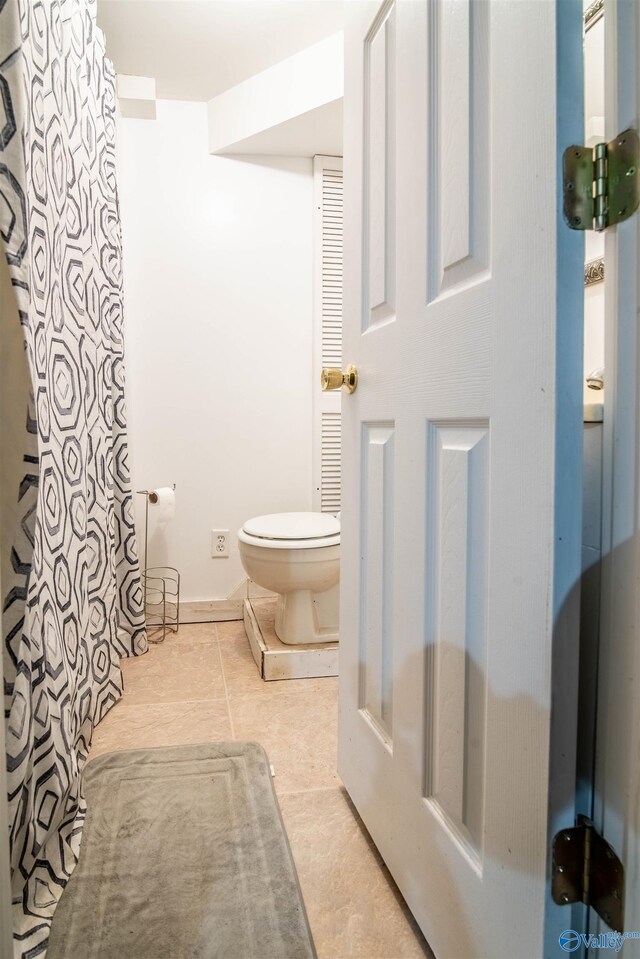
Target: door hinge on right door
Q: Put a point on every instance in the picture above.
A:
(601, 184)
(586, 869)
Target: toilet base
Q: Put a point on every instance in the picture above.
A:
(297, 621)
(275, 660)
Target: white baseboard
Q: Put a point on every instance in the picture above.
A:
(212, 611)
(223, 610)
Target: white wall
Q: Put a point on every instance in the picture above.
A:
(218, 315)
(302, 85)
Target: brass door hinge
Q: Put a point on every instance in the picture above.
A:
(602, 183)
(586, 869)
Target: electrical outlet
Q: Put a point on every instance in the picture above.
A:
(220, 543)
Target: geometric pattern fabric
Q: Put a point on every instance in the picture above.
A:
(74, 605)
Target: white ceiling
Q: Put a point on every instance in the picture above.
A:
(196, 49)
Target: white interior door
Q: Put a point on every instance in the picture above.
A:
(462, 458)
(617, 786)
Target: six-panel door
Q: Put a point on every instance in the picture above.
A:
(450, 459)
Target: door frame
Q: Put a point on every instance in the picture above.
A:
(567, 583)
(617, 769)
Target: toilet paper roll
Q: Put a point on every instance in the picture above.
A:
(164, 500)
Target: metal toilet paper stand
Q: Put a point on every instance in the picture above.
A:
(161, 586)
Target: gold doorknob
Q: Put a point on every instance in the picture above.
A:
(333, 378)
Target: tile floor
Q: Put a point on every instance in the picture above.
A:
(202, 685)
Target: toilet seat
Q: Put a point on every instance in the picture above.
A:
(291, 531)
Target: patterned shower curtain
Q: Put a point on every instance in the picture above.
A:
(74, 605)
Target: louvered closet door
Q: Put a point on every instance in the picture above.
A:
(327, 330)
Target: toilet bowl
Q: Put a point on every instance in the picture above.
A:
(297, 556)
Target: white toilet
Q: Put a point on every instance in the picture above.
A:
(297, 556)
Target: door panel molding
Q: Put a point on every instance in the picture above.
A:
(379, 169)
(376, 577)
(458, 494)
(459, 211)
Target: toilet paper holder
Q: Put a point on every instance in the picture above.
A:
(161, 586)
